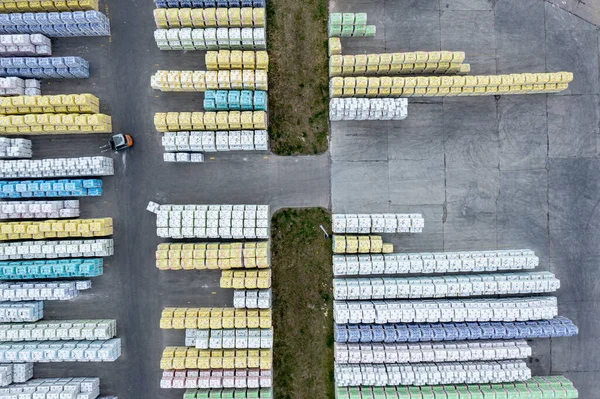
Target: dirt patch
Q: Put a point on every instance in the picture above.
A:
(302, 304)
(298, 76)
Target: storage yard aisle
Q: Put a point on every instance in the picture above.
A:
(132, 289)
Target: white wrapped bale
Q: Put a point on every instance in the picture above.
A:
(56, 249)
(213, 221)
(439, 262)
(371, 109)
(57, 167)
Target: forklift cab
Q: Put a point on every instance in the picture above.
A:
(118, 142)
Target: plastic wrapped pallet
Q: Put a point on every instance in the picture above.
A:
(350, 25)
(378, 223)
(250, 382)
(441, 86)
(183, 157)
(182, 81)
(223, 120)
(44, 269)
(18, 312)
(211, 39)
(59, 330)
(73, 387)
(56, 228)
(61, 24)
(432, 373)
(372, 353)
(240, 279)
(360, 244)
(55, 124)
(240, 338)
(245, 17)
(557, 387)
(77, 351)
(445, 310)
(335, 46)
(62, 103)
(210, 141)
(13, 86)
(252, 299)
(208, 3)
(236, 59)
(437, 262)
(51, 188)
(15, 373)
(445, 286)
(7, 6)
(181, 358)
(57, 167)
(262, 393)
(362, 109)
(213, 221)
(426, 332)
(45, 68)
(214, 318)
(235, 100)
(21, 372)
(54, 291)
(419, 62)
(25, 45)
(15, 148)
(56, 249)
(211, 256)
(6, 375)
(39, 209)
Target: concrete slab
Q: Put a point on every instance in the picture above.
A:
(432, 238)
(573, 353)
(419, 138)
(520, 36)
(572, 9)
(574, 51)
(412, 183)
(471, 32)
(578, 277)
(356, 141)
(471, 197)
(467, 5)
(523, 126)
(356, 186)
(402, 22)
(471, 138)
(574, 126)
(574, 194)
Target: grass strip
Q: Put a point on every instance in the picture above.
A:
(298, 76)
(302, 304)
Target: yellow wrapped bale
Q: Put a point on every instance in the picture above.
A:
(50, 228)
(7, 6)
(456, 86)
(208, 17)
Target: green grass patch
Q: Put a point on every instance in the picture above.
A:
(298, 76)
(302, 304)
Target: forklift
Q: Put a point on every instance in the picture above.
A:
(118, 142)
